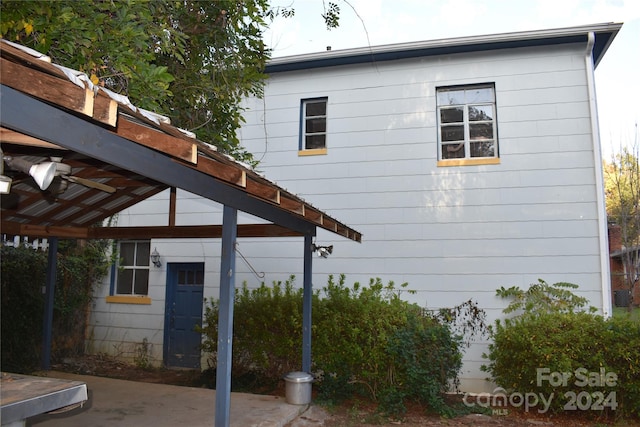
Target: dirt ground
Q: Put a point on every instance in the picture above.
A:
(348, 415)
(105, 366)
(345, 417)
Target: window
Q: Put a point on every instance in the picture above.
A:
(133, 268)
(313, 125)
(467, 123)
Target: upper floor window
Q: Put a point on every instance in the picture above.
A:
(467, 123)
(313, 126)
(133, 268)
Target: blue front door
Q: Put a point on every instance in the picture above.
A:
(183, 313)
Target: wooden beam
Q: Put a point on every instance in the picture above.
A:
(105, 109)
(172, 206)
(189, 231)
(265, 230)
(152, 138)
(224, 172)
(152, 232)
(292, 204)
(313, 214)
(48, 231)
(43, 86)
(263, 191)
(329, 224)
(7, 135)
(42, 62)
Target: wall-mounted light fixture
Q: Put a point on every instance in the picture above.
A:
(43, 173)
(155, 258)
(323, 251)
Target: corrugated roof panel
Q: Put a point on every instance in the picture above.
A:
(117, 202)
(39, 208)
(96, 198)
(67, 212)
(72, 192)
(141, 191)
(90, 217)
(16, 219)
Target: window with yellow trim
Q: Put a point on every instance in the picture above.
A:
(467, 122)
(133, 268)
(313, 124)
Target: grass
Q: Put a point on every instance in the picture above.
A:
(624, 312)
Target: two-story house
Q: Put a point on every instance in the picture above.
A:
(467, 164)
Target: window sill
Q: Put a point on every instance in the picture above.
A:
(468, 162)
(314, 152)
(126, 299)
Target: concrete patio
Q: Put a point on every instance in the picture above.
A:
(128, 403)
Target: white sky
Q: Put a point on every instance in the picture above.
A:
(397, 21)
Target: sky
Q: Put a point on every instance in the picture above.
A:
(379, 22)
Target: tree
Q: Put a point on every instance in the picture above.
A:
(622, 191)
(222, 62)
(190, 60)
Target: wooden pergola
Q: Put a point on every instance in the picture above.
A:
(114, 156)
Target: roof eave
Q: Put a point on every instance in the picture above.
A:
(605, 33)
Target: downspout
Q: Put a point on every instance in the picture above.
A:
(605, 273)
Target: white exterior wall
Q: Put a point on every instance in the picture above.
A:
(120, 329)
(452, 233)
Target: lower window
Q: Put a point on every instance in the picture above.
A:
(133, 268)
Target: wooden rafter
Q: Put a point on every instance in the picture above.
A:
(151, 232)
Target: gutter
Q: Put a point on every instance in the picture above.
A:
(363, 55)
(605, 273)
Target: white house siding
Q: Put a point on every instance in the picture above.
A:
(120, 329)
(452, 233)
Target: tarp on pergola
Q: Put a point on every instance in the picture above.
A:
(49, 111)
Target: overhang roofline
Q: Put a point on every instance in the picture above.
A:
(605, 33)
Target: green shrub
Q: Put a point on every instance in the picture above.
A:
(23, 276)
(80, 265)
(542, 297)
(267, 332)
(425, 360)
(351, 330)
(550, 338)
(623, 357)
(367, 341)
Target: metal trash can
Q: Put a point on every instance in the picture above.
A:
(622, 298)
(298, 388)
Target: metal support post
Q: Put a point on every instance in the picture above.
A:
(225, 316)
